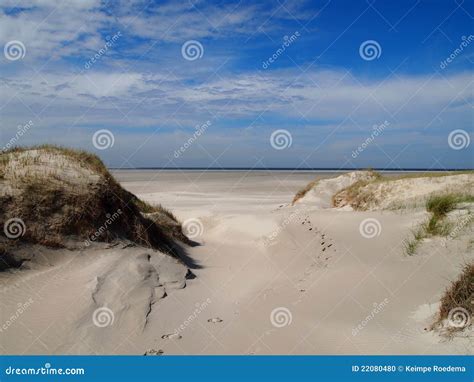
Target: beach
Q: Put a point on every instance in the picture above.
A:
(231, 190)
(339, 292)
(261, 275)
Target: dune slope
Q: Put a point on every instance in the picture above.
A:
(83, 264)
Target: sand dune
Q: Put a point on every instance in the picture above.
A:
(320, 193)
(86, 302)
(83, 265)
(262, 256)
(402, 193)
(267, 278)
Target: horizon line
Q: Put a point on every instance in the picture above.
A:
(335, 169)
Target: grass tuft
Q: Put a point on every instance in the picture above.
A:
(412, 244)
(439, 206)
(363, 195)
(301, 193)
(96, 206)
(460, 294)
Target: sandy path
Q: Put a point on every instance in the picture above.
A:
(271, 279)
(342, 292)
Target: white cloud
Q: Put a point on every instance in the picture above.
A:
(156, 89)
(53, 29)
(319, 95)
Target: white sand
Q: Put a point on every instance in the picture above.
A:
(413, 192)
(322, 278)
(320, 195)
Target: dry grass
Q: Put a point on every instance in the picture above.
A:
(163, 218)
(353, 194)
(148, 208)
(359, 197)
(301, 193)
(460, 294)
(437, 174)
(82, 157)
(53, 208)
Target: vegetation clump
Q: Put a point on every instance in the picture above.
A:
(396, 192)
(60, 193)
(439, 206)
(457, 302)
(302, 192)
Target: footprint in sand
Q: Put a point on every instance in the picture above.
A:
(215, 320)
(172, 336)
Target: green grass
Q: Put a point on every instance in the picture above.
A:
(412, 244)
(439, 207)
(437, 226)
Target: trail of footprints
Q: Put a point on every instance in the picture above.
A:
(319, 261)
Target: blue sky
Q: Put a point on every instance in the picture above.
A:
(297, 68)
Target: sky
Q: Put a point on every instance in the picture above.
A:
(294, 84)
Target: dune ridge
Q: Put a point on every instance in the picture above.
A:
(93, 258)
(268, 278)
(410, 191)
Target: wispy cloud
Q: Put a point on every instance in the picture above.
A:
(142, 87)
